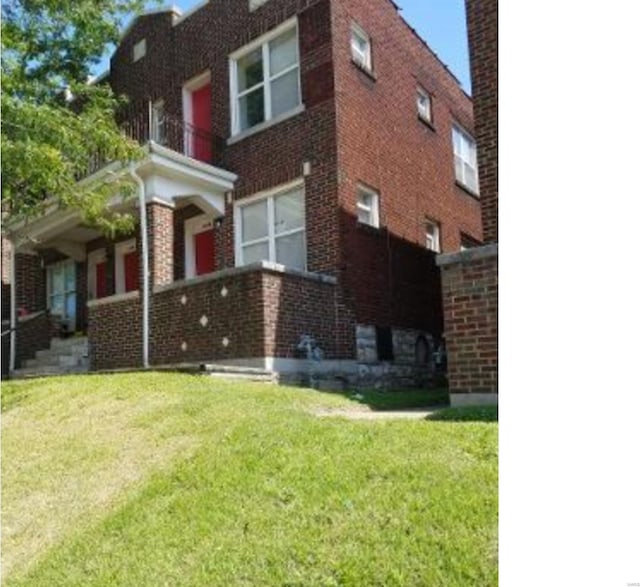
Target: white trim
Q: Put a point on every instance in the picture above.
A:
(427, 116)
(121, 249)
(468, 137)
(93, 259)
(263, 44)
(192, 227)
(139, 50)
(373, 210)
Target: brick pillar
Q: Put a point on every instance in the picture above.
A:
(160, 233)
(470, 298)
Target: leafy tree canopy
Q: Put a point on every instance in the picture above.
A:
(48, 139)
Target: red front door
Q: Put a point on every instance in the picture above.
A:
(204, 244)
(131, 271)
(101, 280)
(201, 132)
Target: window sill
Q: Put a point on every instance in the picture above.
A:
(265, 125)
(467, 190)
(113, 299)
(427, 123)
(368, 72)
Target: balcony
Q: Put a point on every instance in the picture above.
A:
(167, 131)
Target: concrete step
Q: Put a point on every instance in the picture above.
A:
(239, 373)
(54, 360)
(47, 371)
(75, 343)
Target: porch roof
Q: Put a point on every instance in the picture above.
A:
(169, 177)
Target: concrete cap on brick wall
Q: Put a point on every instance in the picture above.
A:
(474, 254)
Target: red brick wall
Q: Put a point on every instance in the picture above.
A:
(470, 295)
(263, 313)
(482, 24)
(115, 334)
(160, 231)
(383, 144)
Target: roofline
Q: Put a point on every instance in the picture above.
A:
(417, 35)
(172, 9)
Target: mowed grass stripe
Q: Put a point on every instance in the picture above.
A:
(265, 494)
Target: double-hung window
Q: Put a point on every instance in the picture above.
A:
(424, 106)
(361, 47)
(273, 228)
(464, 149)
(433, 236)
(265, 79)
(368, 206)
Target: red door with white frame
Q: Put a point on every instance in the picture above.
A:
(201, 147)
(131, 271)
(205, 252)
(101, 279)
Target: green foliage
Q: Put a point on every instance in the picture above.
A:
(167, 479)
(49, 142)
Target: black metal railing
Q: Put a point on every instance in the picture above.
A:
(165, 130)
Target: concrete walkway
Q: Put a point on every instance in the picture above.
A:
(365, 413)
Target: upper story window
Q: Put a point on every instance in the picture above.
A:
(265, 78)
(464, 149)
(361, 47)
(425, 110)
(273, 228)
(368, 206)
(433, 236)
(139, 50)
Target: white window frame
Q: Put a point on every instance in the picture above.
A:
(192, 227)
(159, 122)
(373, 210)
(433, 241)
(94, 258)
(426, 115)
(139, 50)
(364, 60)
(473, 164)
(121, 249)
(269, 196)
(263, 43)
(65, 292)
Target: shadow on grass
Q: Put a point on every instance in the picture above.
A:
(466, 414)
(404, 399)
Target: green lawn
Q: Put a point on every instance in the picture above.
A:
(167, 479)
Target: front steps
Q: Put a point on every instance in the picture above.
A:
(65, 356)
(239, 373)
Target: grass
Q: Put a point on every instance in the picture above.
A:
(168, 479)
(401, 399)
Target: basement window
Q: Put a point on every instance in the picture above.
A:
(384, 343)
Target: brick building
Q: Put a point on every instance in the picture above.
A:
(305, 162)
(470, 278)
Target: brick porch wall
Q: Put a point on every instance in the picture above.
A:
(470, 296)
(235, 314)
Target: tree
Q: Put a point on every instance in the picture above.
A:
(48, 139)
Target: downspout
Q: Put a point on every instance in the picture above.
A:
(144, 237)
(14, 313)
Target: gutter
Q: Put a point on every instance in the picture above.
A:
(144, 237)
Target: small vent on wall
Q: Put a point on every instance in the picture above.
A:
(255, 4)
(139, 50)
